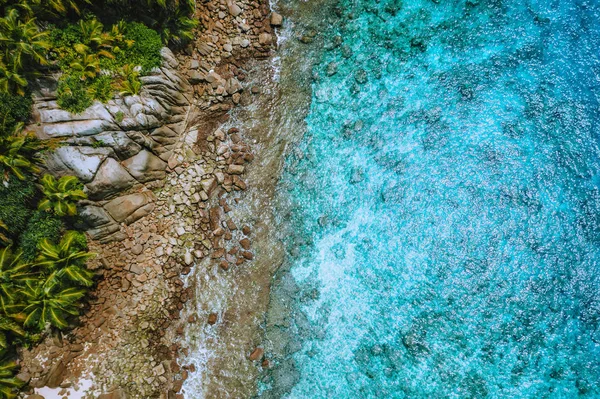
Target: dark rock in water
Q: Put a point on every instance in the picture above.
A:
(358, 175)
(308, 36)
(335, 43)
(361, 76)
(413, 343)
(346, 52)
(331, 69)
(322, 221)
(285, 376)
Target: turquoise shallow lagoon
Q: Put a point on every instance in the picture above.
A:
(442, 213)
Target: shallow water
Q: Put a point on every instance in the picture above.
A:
(442, 213)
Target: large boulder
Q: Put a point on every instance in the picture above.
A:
(129, 208)
(110, 179)
(144, 166)
(123, 146)
(82, 162)
(94, 216)
(98, 222)
(117, 145)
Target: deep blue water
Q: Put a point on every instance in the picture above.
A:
(443, 208)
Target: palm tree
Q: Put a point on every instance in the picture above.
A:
(20, 38)
(49, 306)
(60, 7)
(3, 233)
(8, 382)
(16, 152)
(22, 44)
(8, 326)
(88, 65)
(11, 78)
(64, 261)
(130, 84)
(177, 27)
(61, 195)
(13, 272)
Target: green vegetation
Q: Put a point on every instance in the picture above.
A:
(99, 48)
(96, 62)
(16, 153)
(42, 225)
(89, 42)
(60, 196)
(42, 276)
(13, 110)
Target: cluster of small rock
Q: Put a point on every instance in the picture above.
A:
(231, 31)
(162, 177)
(142, 293)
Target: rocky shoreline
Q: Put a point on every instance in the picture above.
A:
(164, 172)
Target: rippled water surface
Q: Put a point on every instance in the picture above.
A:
(442, 212)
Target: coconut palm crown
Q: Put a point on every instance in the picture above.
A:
(61, 195)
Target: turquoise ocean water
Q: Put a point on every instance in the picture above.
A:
(442, 213)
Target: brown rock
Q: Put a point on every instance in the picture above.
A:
(239, 183)
(235, 169)
(246, 230)
(212, 318)
(231, 225)
(132, 207)
(248, 255)
(256, 354)
(215, 216)
(276, 19)
(224, 265)
(245, 243)
(117, 394)
(137, 249)
(265, 38)
(56, 375)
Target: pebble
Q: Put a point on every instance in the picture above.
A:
(212, 318)
(256, 354)
(137, 249)
(331, 69)
(276, 19)
(245, 243)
